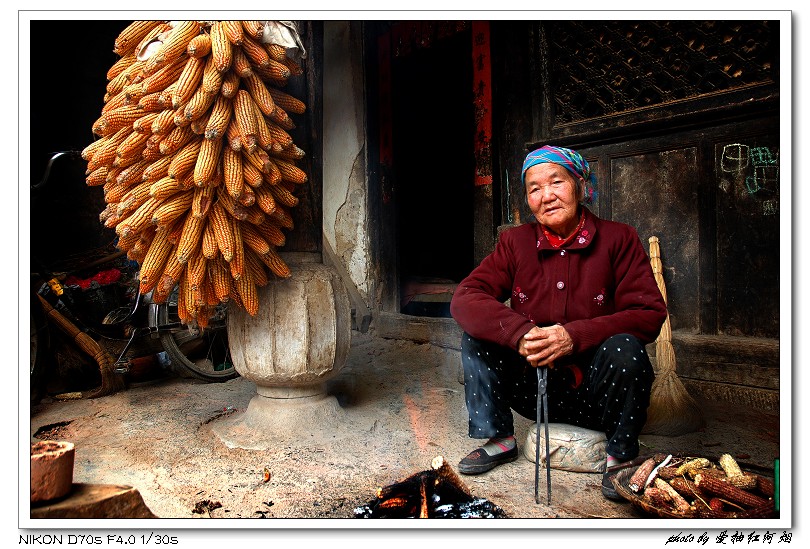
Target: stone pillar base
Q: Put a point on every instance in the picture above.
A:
(268, 422)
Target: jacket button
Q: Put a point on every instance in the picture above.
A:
(560, 285)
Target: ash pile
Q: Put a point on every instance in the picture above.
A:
(435, 493)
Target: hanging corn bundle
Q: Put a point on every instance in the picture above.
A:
(195, 159)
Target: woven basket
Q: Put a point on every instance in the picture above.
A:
(621, 481)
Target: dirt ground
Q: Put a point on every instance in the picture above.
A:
(404, 406)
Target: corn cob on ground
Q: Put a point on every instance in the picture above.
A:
(195, 161)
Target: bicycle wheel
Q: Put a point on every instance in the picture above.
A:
(192, 352)
(40, 349)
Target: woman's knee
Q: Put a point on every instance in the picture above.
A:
(628, 352)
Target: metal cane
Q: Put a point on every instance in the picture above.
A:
(542, 414)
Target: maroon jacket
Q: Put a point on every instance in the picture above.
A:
(599, 285)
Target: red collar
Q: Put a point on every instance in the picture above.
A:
(556, 241)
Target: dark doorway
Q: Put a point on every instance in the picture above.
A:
(433, 166)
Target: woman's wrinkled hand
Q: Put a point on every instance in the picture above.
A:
(542, 346)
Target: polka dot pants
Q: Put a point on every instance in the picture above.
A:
(613, 396)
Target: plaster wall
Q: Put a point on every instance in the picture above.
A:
(345, 190)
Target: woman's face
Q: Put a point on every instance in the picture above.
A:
(553, 197)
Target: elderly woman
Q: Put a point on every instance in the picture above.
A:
(584, 303)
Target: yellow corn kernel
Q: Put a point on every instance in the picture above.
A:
(129, 38)
(154, 261)
(219, 119)
(202, 201)
(199, 46)
(184, 159)
(188, 81)
(276, 264)
(253, 29)
(209, 240)
(271, 232)
(172, 208)
(255, 52)
(223, 231)
(207, 161)
(189, 238)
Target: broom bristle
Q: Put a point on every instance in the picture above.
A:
(672, 410)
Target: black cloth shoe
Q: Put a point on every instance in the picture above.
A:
(478, 461)
(608, 490)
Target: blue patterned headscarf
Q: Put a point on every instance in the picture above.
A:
(568, 159)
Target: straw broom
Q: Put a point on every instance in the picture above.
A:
(672, 409)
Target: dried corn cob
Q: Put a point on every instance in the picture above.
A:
(116, 119)
(232, 172)
(639, 479)
(241, 64)
(254, 29)
(115, 101)
(129, 38)
(283, 196)
(199, 46)
(212, 76)
(281, 118)
(681, 505)
(254, 240)
(188, 81)
(163, 123)
(276, 51)
(253, 176)
(209, 241)
(290, 172)
(139, 219)
(185, 159)
(247, 291)
(245, 117)
(765, 486)
(260, 94)
(219, 118)
(171, 208)
(265, 199)
(154, 261)
(729, 465)
(276, 264)
(202, 200)
(207, 160)
(255, 52)
(258, 272)
(174, 46)
(692, 465)
(233, 31)
(192, 231)
(221, 51)
(727, 491)
(164, 188)
(220, 278)
(198, 104)
(230, 84)
(223, 231)
(196, 269)
(175, 139)
(271, 233)
(687, 488)
(199, 124)
(98, 177)
(237, 263)
(287, 101)
(157, 169)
